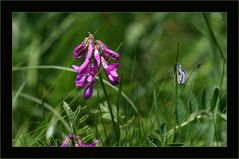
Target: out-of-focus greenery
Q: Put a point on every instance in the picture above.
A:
(148, 44)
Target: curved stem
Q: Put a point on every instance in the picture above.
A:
(72, 70)
(49, 107)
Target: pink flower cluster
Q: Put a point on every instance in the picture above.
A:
(90, 67)
(78, 143)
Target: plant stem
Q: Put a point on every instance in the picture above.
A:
(118, 105)
(109, 106)
(106, 136)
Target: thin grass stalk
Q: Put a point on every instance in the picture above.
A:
(109, 106)
(103, 123)
(118, 105)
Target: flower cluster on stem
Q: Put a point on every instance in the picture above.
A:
(87, 71)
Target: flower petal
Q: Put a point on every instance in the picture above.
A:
(80, 49)
(114, 73)
(97, 56)
(88, 91)
(106, 51)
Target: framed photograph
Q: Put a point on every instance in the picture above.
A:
(119, 79)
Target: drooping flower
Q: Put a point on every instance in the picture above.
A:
(87, 59)
(107, 51)
(97, 56)
(87, 71)
(111, 71)
(80, 49)
(86, 79)
(88, 91)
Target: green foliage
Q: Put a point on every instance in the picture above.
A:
(147, 108)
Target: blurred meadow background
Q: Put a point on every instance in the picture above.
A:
(149, 107)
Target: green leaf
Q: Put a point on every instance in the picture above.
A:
(214, 98)
(77, 115)
(84, 129)
(83, 118)
(223, 104)
(70, 113)
(88, 137)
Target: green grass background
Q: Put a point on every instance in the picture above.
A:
(147, 44)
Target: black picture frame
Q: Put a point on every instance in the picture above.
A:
(8, 7)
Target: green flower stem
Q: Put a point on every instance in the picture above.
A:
(109, 105)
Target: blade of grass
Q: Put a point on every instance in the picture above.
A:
(103, 123)
(213, 37)
(49, 107)
(118, 105)
(17, 94)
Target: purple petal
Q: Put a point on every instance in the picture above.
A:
(67, 140)
(75, 67)
(97, 56)
(80, 49)
(71, 136)
(90, 79)
(115, 54)
(88, 91)
(104, 63)
(112, 73)
(108, 51)
(93, 70)
(90, 49)
(63, 145)
(113, 67)
(83, 144)
(94, 143)
(82, 67)
(87, 60)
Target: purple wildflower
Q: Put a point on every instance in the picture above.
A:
(88, 57)
(111, 71)
(83, 144)
(80, 49)
(79, 142)
(86, 73)
(107, 51)
(86, 79)
(97, 56)
(67, 140)
(88, 91)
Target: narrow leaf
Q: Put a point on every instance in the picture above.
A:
(214, 98)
